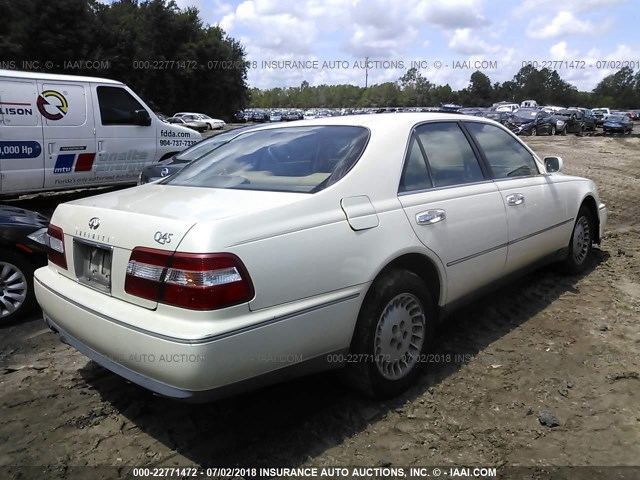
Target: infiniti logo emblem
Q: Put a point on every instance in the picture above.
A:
(94, 223)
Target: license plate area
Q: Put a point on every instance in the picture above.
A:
(92, 264)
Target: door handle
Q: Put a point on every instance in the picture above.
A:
(515, 199)
(430, 217)
(100, 143)
(50, 148)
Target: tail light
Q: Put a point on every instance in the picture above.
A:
(56, 252)
(191, 280)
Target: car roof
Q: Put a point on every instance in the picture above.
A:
(372, 121)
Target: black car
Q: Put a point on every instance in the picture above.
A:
(617, 124)
(530, 121)
(240, 117)
(570, 121)
(259, 117)
(590, 121)
(23, 248)
(500, 117)
(179, 160)
(599, 114)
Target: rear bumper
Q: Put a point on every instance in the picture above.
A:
(200, 369)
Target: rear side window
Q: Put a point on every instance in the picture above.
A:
(415, 175)
(507, 156)
(451, 159)
(297, 159)
(117, 106)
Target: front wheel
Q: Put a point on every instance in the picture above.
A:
(16, 287)
(394, 327)
(564, 131)
(534, 131)
(580, 244)
(553, 130)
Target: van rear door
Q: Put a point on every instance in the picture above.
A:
(69, 134)
(21, 140)
(124, 147)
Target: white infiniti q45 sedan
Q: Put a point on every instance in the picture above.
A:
(294, 248)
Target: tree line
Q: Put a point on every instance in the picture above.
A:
(620, 90)
(164, 53)
(176, 62)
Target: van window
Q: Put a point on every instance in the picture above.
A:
(117, 106)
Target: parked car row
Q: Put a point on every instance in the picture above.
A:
(537, 121)
(526, 118)
(262, 116)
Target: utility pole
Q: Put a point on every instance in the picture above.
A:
(366, 72)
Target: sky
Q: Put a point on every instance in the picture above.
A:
(330, 40)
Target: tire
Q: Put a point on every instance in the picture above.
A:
(394, 327)
(534, 131)
(564, 132)
(581, 243)
(16, 286)
(553, 130)
(581, 132)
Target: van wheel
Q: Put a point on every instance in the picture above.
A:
(16, 286)
(395, 324)
(580, 244)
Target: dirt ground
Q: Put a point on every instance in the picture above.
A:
(567, 345)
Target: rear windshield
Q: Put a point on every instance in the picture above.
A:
(294, 159)
(205, 146)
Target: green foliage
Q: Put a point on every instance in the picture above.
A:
(127, 33)
(620, 90)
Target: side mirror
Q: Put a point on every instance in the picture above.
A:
(553, 164)
(142, 118)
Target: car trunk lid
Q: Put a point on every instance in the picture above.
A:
(102, 231)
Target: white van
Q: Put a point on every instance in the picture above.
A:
(505, 107)
(63, 131)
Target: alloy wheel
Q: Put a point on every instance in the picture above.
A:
(399, 337)
(13, 289)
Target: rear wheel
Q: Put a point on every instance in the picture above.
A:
(534, 131)
(16, 286)
(394, 327)
(580, 245)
